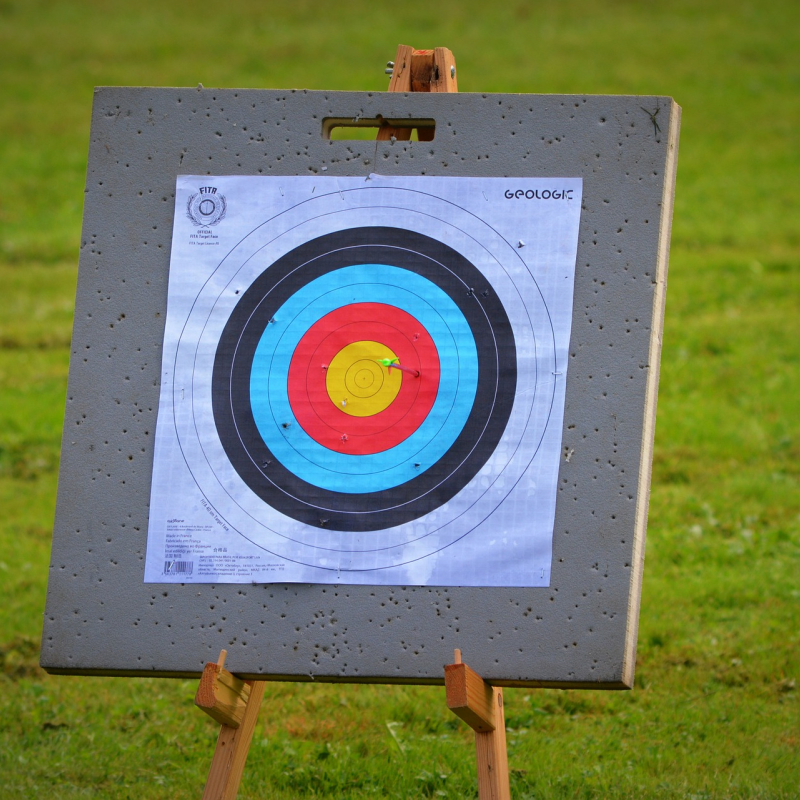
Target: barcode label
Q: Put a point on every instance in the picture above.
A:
(178, 567)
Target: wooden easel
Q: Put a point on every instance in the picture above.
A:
(235, 703)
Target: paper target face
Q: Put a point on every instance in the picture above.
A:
(363, 381)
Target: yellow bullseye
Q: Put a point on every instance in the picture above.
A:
(357, 384)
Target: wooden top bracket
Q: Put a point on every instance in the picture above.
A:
(419, 71)
(423, 70)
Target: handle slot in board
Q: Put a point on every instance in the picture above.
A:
(349, 128)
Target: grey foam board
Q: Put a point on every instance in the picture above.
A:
(101, 618)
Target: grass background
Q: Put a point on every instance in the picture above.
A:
(715, 712)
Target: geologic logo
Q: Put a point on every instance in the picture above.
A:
(207, 207)
(535, 194)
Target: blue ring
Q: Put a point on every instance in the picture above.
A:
(339, 472)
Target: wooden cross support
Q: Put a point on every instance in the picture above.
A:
(480, 705)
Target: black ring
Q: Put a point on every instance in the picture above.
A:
(497, 379)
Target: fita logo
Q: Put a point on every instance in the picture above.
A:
(207, 207)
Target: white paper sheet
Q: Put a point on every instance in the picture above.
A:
(363, 380)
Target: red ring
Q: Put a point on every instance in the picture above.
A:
(327, 423)
(321, 419)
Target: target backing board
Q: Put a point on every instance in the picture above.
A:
(363, 380)
(341, 407)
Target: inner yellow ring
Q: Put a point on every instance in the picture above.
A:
(357, 384)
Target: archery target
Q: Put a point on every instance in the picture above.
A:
(370, 381)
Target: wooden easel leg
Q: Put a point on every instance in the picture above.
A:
(481, 707)
(235, 704)
(492, 756)
(230, 756)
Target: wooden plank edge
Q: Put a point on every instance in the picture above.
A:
(651, 396)
(446, 76)
(401, 72)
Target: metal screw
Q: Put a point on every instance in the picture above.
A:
(389, 70)
(390, 64)
(452, 71)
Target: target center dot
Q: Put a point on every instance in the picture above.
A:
(364, 378)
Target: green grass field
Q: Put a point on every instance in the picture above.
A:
(715, 711)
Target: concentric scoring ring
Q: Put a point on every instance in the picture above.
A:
(416, 274)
